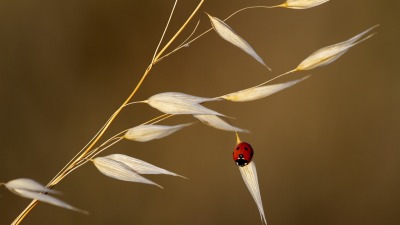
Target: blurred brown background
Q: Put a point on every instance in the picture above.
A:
(327, 150)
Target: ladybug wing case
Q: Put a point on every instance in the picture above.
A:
(243, 153)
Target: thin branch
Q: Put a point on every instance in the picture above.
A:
(250, 7)
(118, 139)
(33, 203)
(281, 75)
(88, 158)
(205, 32)
(179, 31)
(165, 30)
(162, 118)
(69, 163)
(183, 44)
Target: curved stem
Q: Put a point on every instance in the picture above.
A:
(116, 140)
(61, 175)
(86, 151)
(281, 75)
(251, 7)
(165, 30)
(90, 156)
(178, 32)
(183, 44)
(73, 159)
(205, 32)
(154, 119)
(117, 136)
(160, 118)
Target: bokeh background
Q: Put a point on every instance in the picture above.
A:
(327, 150)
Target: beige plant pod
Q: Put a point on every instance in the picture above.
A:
(179, 103)
(301, 4)
(140, 166)
(28, 184)
(216, 122)
(259, 92)
(183, 97)
(329, 54)
(120, 171)
(228, 34)
(249, 175)
(31, 189)
(145, 132)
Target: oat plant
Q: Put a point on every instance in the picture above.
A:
(172, 104)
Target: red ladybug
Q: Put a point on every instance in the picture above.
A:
(243, 154)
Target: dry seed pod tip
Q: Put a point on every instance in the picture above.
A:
(228, 34)
(301, 4)
(329, 54)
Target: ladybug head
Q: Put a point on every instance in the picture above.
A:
(241, 161)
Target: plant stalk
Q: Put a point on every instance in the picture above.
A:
(61, 175)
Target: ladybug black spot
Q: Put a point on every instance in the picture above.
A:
(251, 153)
(238, 148)
(245, 148)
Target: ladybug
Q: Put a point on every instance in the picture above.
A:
(243, 154)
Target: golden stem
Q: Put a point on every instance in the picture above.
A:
(178, 32)
(28, 209)
(237, 138)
